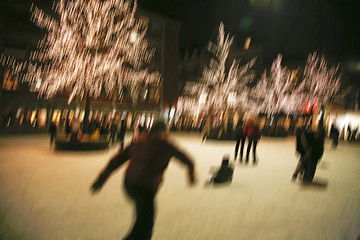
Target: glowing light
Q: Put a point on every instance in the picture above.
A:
(38, 84)
(247, 43)
(320, 84)
(133, 37)
(90, 46)
(215, 84)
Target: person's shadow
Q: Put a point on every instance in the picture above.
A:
(317, 183)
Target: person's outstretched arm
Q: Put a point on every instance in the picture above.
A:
(113, 164)
(187, 161)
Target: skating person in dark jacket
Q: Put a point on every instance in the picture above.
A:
(240, 139)
(252, 133)
(148, 158)
(300, 149)
(313, 152)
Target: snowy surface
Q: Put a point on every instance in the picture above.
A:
(45, 194)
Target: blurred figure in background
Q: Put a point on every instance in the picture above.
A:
(113, 131)
(52, 131)
(313, 145)
(121, 133)
(334, 135)
(240, 139)
(224, 174)
(300, 149)
(148, 158)
(252, 133)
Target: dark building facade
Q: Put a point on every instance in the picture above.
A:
(21, 110)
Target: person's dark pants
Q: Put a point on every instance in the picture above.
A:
(238, 141)
(299, 168)
(145, 211)
(309, 171)
(52, 138)
(310, 164)
(112, 138)
(335, 141)
(252, 141)
(121, 140)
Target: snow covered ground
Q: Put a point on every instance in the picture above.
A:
(45, 194)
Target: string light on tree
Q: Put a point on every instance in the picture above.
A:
(321, 84)
(213, 89)
(88, 47)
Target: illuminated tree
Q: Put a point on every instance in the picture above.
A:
(90, 46)
(217, 88)
(320, 84)
(277, 92)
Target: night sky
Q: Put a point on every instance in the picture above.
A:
(294, 28)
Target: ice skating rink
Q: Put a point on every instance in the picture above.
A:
(45, 194)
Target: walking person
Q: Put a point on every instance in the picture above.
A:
(52, 131)
(148, 158)
(121, 134)
(252, 132)
(240, 139)
(334, 134)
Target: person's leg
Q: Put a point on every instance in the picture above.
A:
(145, 211)
(298, 169)
(237, 147)
(243, 139)
(204, 137)
(122, 143)
(254, 150)
(250, 141)
(307, 167)
(52, 137)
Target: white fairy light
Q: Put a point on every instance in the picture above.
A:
(274, 93)
(321, 84)
(215, 85)
(90, 46)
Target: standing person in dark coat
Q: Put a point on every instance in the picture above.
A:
(148, 158)
(252, 132)
(334, 134)
(113, 131)
(240, 138)
(52, 131)
(121, 133)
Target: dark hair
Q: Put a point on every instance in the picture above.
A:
(158, 126)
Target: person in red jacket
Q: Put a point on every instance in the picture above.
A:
(252, 133)
(148, 158)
